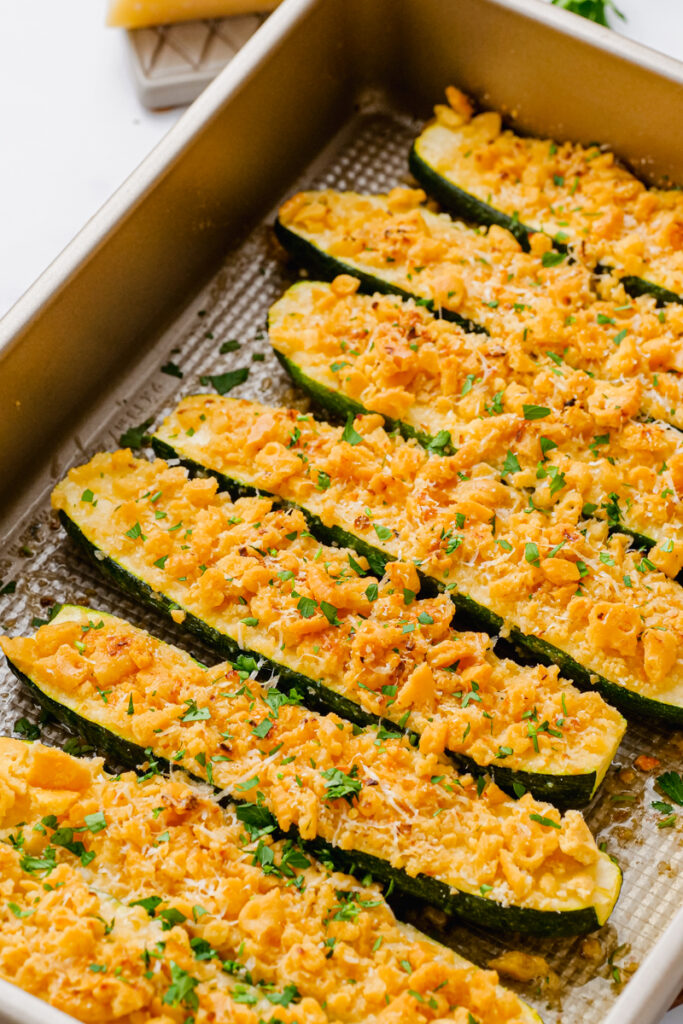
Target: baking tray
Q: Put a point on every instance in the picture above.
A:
(182, 258)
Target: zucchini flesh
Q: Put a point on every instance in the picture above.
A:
(577, 598)
(224, 871)
(376, 653)
(51, 947)
(236, 442)
(393, 244)
(344, 793)
(579, 196)
(385, 355)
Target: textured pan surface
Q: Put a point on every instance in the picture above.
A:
(370, 154)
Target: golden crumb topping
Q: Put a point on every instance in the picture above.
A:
(540, 299)
(90, 956)
(579, 195)
(550, 429)
(221, 898)
(585, 593)
(358, 790)
(310, 608)
(390, 670)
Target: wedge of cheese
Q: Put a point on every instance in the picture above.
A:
(142, 13)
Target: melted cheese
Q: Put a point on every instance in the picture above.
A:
(578, 194)
(99, 960)
(335, 940)
(253, 444)
(411, 810)
(486, 277)
(395, 358)
(620, 619)
(393, 655)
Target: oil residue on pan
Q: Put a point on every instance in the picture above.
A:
(578, 980)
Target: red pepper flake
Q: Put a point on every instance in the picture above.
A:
(644, 763)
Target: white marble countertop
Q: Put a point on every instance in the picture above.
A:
(73, 128)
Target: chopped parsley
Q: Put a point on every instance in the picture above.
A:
(225, 382)
(342, 785)
(593, 10)
(535, 412)
(511, 464)
(350, 434)
(441, 443)
(27, 729)
(172, 370)
(330, 613)
(544, 821)
(194, 713)
(136, 437)
(229, 346)
(553, 259)
(671, 785)
(182, 989)
(307, 607)
(256, 818)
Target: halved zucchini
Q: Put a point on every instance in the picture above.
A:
(393, 244)
(241, 883)
(90, 956)
(360, 797)
(366, 650)
(548, 428)
(578, 195)
(563, 589)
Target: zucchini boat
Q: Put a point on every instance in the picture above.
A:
(550, 429)
(237, 888)
(580, 196)
(561, 588)
(393, 244)
(349, 644)
(357, 796)
(219, 436)
(97, 959)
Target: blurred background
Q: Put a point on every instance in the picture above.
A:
(73, 126)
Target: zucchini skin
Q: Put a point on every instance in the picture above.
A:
(475, 210)
(328, 267)
(337, 406)
(469, 906)
(562, 790)
(115, 748)
(467, 206)
(628, 702)
(635, 286)
(460, 904)
(219, 642)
